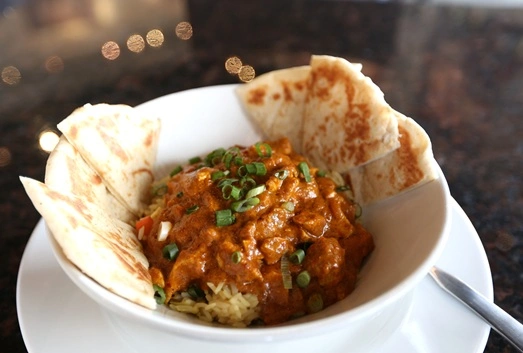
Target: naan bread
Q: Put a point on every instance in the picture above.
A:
(104, 248)
(276, 101)
(67, 173)
(347, 122)
(411, 165)
(119, 145)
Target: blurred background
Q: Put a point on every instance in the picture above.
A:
(454, 65)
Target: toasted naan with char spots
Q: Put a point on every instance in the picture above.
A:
(97, 179)
(67, 172)
(342, 123)
(102, 247)
(120, 145)
(411, 165)
(347, 122)
(276, 102)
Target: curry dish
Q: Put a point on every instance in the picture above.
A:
(258, 218)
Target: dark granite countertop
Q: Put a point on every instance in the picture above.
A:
(457, 70)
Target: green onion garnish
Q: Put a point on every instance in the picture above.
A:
(321, 173)
(297, 256)
(359, 210)
(288, 206)
(195, 292)
(342, 188)
(303, 167)
(315, 303)
(255, 191)
(263, 149)
(195, 160)
(175, 171)
(219, 174)
(170, 251)
(247, 182)
(224, 218)
(231, 191)
(160, 190)
(244, 205)
(286, 272)
(303, 279)
(236, 257)
(159, 294)
(192, 209)
(282, 174)
(226, 181)
(215, 157)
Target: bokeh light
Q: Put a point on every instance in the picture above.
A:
(246, 73)
(155, 38)
(48, 140)
(5, 156)
(11, 75)
(233, 65)
(111, 50)
(54, 64)
(184, 30)
(136, 43)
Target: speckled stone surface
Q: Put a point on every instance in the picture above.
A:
(457, 70)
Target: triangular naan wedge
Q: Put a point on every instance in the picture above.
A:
(104, 248)
(411, 165)
(120, 145)
(68, 173)
(275, 102)
(347, 122)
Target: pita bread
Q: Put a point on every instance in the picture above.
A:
(68, 173)
(276, 101)
(411, 165)
(347, 122)
(119, 145)
(103, 248)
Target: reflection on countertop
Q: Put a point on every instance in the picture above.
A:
(457, 69)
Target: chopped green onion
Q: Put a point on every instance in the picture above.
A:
(342, 188)
(226, 181)
(238, 160)
(224, 218)
(359, 210)
(259, 169)
(219, 174)
(192, 209)
(175, 171)
(229, 191)
(263, 149)
(195, 160)
(286, 272)
(303, 167)
(321, 173)
(315, 303)
(215, 157)
(247, 182)
(236, 257)
(297, 256)
(159, 294)
(160, 190)
(282, 174)
(303, 279)
(195, 292)
(288, 206)
(171, 251)
(244, 205)
(255, 191)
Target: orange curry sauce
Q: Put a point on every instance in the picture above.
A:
(294, 211)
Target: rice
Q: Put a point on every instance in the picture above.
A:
(223, 303)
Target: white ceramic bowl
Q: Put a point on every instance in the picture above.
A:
(410, 231)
